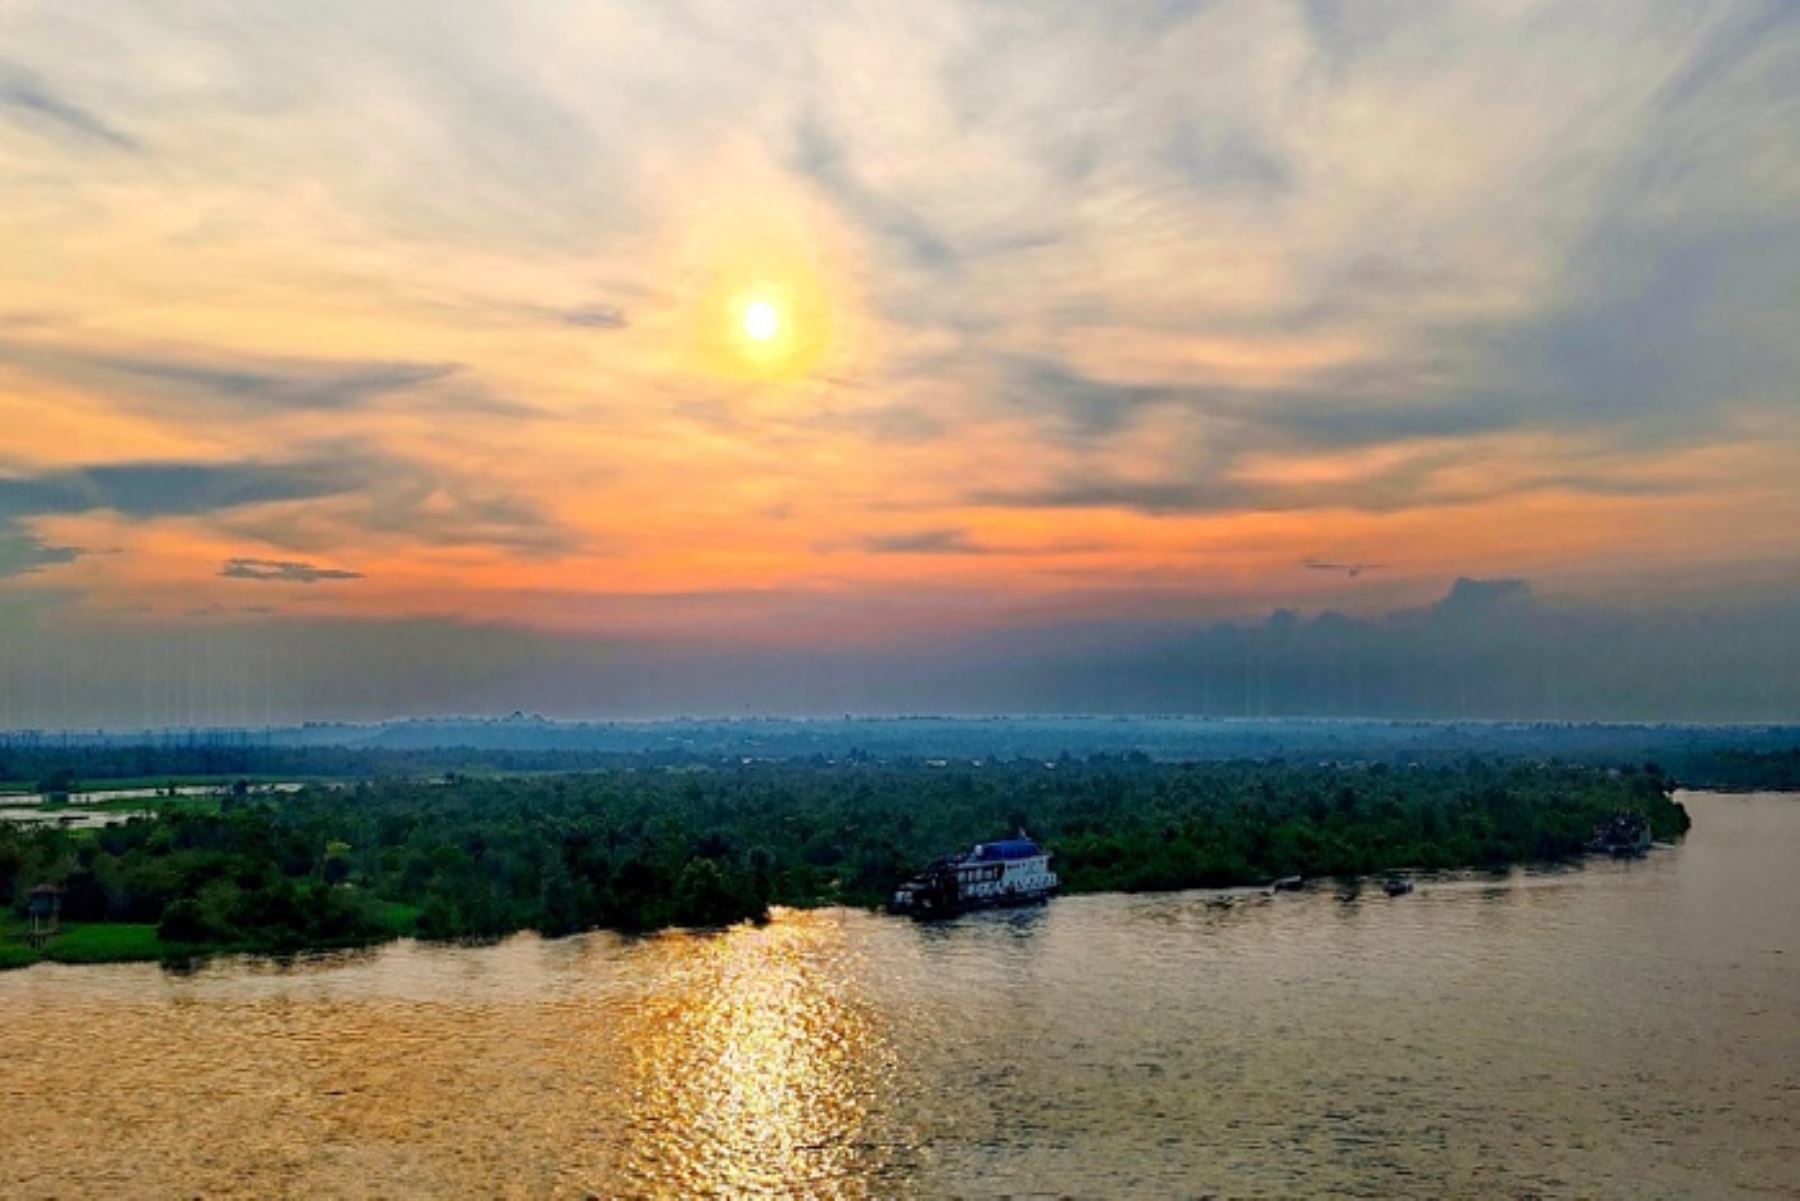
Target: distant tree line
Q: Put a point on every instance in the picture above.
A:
(1744, 771)
(1754, 758)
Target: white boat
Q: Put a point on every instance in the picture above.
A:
(1012, 871)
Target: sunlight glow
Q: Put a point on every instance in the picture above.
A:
(761, 321)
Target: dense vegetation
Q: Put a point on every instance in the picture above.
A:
(636, 849)
(1734, 770)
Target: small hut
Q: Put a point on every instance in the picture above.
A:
(44, 904)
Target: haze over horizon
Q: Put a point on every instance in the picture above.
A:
(637, 359)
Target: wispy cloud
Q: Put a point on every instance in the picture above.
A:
(27, 97)
(303, 503)
(282, 571)
(240, 381)
(925, 542)
(595, 316)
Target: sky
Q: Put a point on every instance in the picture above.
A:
(367, 358)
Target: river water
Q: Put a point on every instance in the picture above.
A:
(1623, 1029)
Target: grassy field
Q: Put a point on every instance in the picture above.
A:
(88, 942)
(129, 942)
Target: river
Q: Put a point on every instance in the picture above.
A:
(1623, 1029)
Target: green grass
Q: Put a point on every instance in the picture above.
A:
(399, 917)
(105, 942)
(128, 942)
(85, 942)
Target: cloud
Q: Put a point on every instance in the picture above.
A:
(1436, 478)
(1351, 570)
(342, 488)
(819, 155)
(22, 553)
(172, 489)
(245, 382)
(25, 96)
(925, 542)
(1085, 408)
(1221, 156)
(952, 540)
(1472, 600)
(282, 571)
(595, 316)
(410, 503)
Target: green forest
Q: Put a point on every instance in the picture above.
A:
(640, 847)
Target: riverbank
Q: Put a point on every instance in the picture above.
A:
(140, 942)
(701, 846)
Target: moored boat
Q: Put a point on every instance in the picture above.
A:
(1623, 835)
(1012, 871)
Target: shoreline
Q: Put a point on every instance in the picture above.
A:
(138, 944)
(277, 873)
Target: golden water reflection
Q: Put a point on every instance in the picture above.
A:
(755, 1071)
(736, 1063)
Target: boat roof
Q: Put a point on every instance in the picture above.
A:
(1006, 848)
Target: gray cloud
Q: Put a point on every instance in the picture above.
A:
(925, 542)
(1439, 478)
(22, 553)
(953, 540)
(1078, 406)
(283, 571)
(412, 501)
(25, 96)
(821, 156)
(1473, 600)
(1739, 34)
(346, 487)
(1218, 155)
(241, 381)
(172, 489)
(1352, 570)
(595, 316)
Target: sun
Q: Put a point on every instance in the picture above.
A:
(761, 321)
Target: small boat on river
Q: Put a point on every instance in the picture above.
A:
(1623, 835)
(1012, 871)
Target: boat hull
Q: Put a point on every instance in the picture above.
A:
(930, 911)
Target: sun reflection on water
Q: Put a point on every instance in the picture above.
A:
(754, 1071)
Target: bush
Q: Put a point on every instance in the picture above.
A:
(182, 922)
